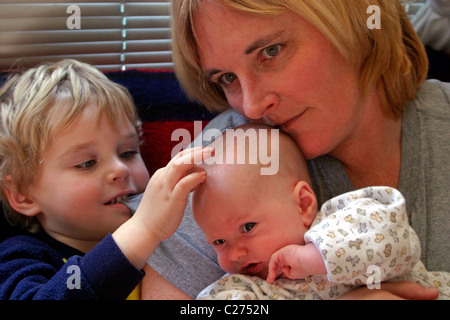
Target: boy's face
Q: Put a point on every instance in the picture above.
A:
(84, 171)
(247, 219)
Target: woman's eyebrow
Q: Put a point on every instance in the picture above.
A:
(263, 41)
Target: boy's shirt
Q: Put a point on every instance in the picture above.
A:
(40, 267)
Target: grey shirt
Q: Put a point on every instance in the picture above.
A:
(188, 262)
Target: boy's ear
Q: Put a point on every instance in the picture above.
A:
(307, 202)
(20, 202)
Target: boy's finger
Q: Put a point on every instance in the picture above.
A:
(185, 161)
(193, 156)
(186, 151)
(187, 184)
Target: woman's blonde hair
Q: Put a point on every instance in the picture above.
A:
(391, 58)
(36, 103)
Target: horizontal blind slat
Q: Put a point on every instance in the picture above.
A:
(95, 9)
(94, 59)
(62, 36)
(78, 2)
(84, 47)
(56, 10)
(87, 23)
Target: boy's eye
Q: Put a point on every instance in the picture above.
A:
(248, 227)
(128, 154)
(219, 242)
(86, 165)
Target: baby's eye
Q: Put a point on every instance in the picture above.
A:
(86, 165)
(219, 242)
(248, 227)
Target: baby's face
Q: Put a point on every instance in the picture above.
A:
(247, 220)
(86, 170)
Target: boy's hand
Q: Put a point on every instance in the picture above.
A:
(295, 262)
(165, 198)
(162, 206)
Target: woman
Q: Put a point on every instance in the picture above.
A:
(353, 98)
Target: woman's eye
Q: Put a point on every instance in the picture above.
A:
(248, 227)
(271, 51)
(227, 79)
(219, 242)
(86, 165)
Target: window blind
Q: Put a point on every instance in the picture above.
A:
(412, 6)
(111, 35)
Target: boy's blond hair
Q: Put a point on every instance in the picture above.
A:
(36, 103)
(392, 58)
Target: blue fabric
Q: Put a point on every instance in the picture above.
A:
(32, 267)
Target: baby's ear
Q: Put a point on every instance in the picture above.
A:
(307, 202)
(20, 202)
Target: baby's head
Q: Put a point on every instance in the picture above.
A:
(40, 102)
(248, 216)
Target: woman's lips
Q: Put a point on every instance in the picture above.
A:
(291, 122)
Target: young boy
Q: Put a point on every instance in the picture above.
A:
(69, 155)
(266, 226)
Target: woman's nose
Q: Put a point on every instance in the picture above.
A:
(118, 171)
(258, 102)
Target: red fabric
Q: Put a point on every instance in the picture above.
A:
(157, 146)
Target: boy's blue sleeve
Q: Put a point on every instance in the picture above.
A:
(31, 270)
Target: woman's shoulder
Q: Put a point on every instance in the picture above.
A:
(433, 98)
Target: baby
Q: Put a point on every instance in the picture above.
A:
(274, 243)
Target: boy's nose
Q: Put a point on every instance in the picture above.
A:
(119, 171)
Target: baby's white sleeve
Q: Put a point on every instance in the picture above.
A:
(364, 236)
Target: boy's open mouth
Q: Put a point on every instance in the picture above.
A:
(119, 199)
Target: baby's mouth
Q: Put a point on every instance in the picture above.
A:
(252, 268)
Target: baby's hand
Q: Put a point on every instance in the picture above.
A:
(166, 195)
(295, 262)
(285, 262)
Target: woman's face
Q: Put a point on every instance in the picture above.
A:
(282, 71)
